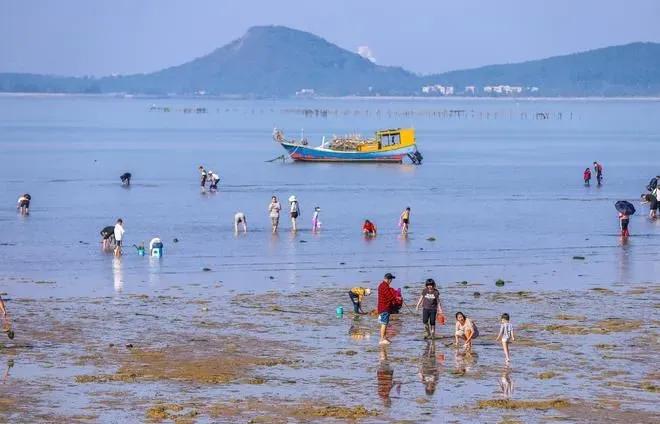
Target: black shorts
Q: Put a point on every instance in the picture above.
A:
(118, 243)
(24, 204)
(624, 224)
(203, 181)
(294, 214)
(429, 315)
(405, 221)
(107, 236)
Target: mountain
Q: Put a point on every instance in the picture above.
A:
(275, 61)
(631, 69)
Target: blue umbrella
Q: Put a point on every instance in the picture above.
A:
(625, 207)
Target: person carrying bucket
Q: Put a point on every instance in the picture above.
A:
(430, 300)
(357, 295)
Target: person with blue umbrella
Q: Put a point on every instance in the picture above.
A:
(626, 210)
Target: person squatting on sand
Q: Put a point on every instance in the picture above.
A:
(240, 218)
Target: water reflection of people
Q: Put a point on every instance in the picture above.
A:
(506, 384)
(624, 274)
(10, 365)
(356, 331)
(117, 273)
(429, 372)
(464, 360)
(385, 378)
(154, 269)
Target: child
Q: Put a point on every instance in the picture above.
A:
(431, 308)
(587, 176)
(357, 294)
(316, 224)
(405, 220)
(506, 334)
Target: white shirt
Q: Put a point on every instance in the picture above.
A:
(119, 232)
(239, 216)
(274, 209)
(294, 206)
(154, 241)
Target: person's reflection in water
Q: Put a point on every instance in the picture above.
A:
(117, 273)
(429, 371)
(10, 365)
(624, 272)
(154, 270)
(464, 361)
(356, 331)
(385, 378)
(506, 384)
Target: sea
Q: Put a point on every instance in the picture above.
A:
(499, 196)
(500, 190)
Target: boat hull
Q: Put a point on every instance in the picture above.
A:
(301, 153)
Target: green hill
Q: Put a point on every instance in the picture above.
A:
(274, 61)
(632, 69)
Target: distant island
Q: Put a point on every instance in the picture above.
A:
(276, 62)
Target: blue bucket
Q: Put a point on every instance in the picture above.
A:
(141, 252)
(340, 311)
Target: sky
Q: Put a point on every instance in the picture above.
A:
(102, 37)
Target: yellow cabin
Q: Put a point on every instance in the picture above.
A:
(390, 140)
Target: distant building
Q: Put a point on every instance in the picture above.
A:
(470, 89)
(305, 92)
(438, 89)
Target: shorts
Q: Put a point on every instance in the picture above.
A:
(624, 224)
(294, 214)
(203, 181)
(107, 236)
(275, 220)
(384, 318)
(405, 221)
(429, 315)
(24, 204)
(118, 243)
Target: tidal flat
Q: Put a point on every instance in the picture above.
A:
(579, 356)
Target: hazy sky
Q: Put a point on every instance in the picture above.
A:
(76, 37)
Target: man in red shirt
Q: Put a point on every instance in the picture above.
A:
(386, 300)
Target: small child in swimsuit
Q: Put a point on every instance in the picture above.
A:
(506, 335)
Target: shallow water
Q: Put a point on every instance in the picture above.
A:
(502, 195)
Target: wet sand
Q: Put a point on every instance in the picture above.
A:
(241, 356)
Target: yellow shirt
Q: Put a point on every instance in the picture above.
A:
(359, 292)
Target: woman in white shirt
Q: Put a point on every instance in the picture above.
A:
(465, 329)
(274, 209)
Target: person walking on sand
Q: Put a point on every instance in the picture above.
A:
(240, 218)
(624, 221)
(294, 212)
(316, 223)
(506, 335)
(386, 299)
(357, 294)
(431, 308)
(587, 177)
(7, 327)
(649, 199)
(599, 172)
(119, 236)
(405, 220)
(369, 229)
(23, 204)
(274, 209)
(465, 329)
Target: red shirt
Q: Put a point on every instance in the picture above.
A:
(386, 297)
(369, 227)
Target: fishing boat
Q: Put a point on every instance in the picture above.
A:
(387, 146)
